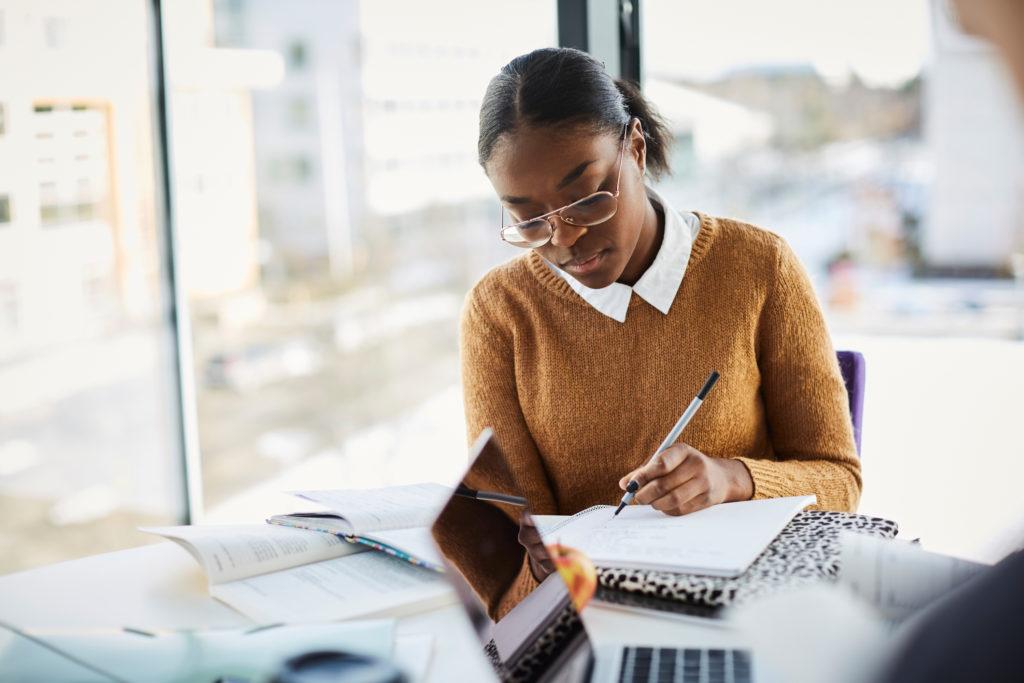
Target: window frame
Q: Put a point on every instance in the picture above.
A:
(176, 308)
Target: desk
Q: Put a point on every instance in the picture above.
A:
(161, 586)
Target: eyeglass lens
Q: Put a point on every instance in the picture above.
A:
(591, 210)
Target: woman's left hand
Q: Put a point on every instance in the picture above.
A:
(681, 480)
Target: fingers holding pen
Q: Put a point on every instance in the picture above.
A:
(666, 472)
(660, 465)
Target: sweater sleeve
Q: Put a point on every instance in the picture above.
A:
(491, 399)
(805, 400)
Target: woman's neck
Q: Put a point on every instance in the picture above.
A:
(651, 233)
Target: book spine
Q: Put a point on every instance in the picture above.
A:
(394, 552)
(376, 545)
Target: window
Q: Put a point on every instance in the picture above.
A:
(72, 135)
(354, 233)
(862, 157)
(297, 55)
(299, 113)
(292, 169)
(89, 445)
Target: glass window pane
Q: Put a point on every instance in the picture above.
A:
(865, 156)
(332, 216)
(89, 445)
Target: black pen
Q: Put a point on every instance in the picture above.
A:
(466, 492)
(681, 423)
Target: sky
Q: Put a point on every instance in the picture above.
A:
(885, 42)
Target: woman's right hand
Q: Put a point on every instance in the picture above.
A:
(529, 537)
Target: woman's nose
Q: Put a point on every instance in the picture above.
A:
(565, 234)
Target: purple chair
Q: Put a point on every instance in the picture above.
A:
(851, 365)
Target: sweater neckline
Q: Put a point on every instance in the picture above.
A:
(558, 286)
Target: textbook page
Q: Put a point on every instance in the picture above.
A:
(342, 588)
(393, 507)
(722, 540)
(897, 577)
(231, 552)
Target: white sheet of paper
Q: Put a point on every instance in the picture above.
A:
(342, 588)
(897, 577)
(231, 552)
(722, 540)
(394, 507)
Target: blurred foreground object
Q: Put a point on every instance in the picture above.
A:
(578, 573)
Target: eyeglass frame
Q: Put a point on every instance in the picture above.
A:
(544, 217)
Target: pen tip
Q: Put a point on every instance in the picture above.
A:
(619, 509)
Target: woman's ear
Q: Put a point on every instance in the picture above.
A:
(638, 145)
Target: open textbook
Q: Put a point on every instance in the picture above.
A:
(277, 574)
(395, 520)
(896, 577)
(722, 540)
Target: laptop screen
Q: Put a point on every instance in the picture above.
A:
(527, 627)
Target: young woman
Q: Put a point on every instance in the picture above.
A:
(583, 352)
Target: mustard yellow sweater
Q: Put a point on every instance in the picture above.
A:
(577, 400)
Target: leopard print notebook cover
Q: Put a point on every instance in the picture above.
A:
(806, 551)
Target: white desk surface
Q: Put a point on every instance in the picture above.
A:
(161, 586)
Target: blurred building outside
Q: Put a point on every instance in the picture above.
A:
(88, 445)
(331, 215)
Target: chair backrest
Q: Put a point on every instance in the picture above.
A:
(851, 365)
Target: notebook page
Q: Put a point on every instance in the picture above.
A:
(722, 540)
(393, 507)
(898, 577)
(547, 524)
(231, 552)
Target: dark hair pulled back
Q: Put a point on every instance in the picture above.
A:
(567, 87)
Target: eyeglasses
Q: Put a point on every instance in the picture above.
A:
(591, 210)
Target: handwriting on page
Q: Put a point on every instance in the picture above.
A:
(653, 535)
(721, 540)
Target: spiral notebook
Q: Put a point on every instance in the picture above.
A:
(723, 540)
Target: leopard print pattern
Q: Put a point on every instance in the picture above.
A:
(560, 634)
(806, 551)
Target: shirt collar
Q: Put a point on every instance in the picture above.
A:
(659, 284)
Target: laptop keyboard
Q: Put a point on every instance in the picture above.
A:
(690, 665)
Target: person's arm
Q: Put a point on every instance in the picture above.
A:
(805, 400)
(491, 399)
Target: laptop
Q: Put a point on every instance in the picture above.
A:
(539, 635)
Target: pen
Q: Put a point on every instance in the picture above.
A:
(465, 491)
(680, 425)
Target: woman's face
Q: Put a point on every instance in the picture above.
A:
(536, 170)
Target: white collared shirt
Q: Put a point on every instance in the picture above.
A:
(659, 283)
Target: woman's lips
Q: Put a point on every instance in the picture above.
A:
(587, 266)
